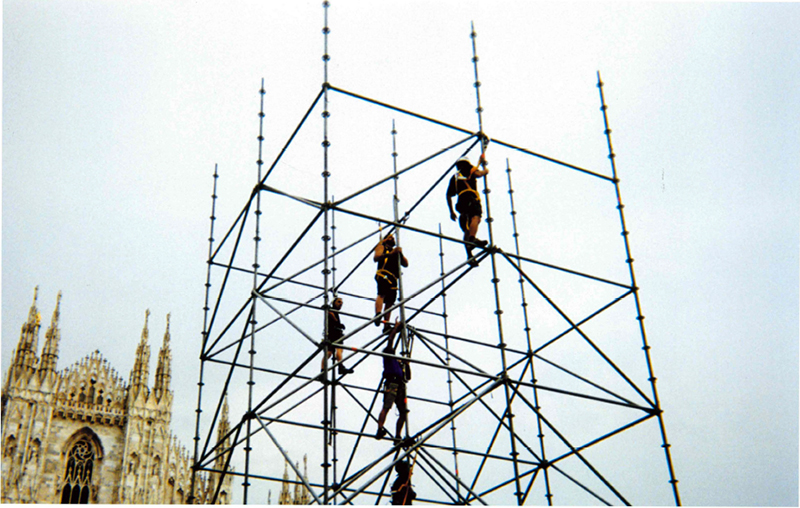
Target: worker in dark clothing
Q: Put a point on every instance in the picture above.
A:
(335, 333)
(389, 259)
(395, 375)
(402, 493)
(464, 184)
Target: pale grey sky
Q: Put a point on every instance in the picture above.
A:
(114, 114)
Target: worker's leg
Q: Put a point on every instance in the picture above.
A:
(342, 369)
(401, 420)
(402, 407)
(388, 301)
(378, 307)
(390, 391)
(382, 417)
(464, 221)
(474, 222)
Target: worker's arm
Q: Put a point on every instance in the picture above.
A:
(481, 163)
(403, 260)
(378, 252)
(395, 328)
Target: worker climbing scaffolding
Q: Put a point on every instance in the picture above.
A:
(396, 373)
(402, 491)
(464, 185)
(389, 259)
(333, 342)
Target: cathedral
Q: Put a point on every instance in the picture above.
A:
(85, 435)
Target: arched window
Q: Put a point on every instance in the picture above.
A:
(10, 448)
(78, 473)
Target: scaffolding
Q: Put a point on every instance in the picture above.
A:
(548, 402)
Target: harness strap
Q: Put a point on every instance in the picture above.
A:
(410, 472)
(387, 275)
(464, 179)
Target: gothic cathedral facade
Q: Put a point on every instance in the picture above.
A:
(85, 435)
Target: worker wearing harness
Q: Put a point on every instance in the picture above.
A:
(464, 184)
(395, 375)
(335, 333)
(402, 492)
(389, 259)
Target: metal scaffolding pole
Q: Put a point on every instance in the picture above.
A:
(548, 493)
(325, 271)
(447, 356)
(495, 279)
(205, 332)
(639, 317)
(253, 319)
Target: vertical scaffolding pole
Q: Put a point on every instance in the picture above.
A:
(334, 407)
(495, 280)
(521, 281)
(253, 320)
(639, 317)
(447, 360)
(206, 308)
(325, 239)
(333, 248)
(395, 201)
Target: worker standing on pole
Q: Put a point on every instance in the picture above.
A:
(395, 375)
(464, 184)
(389, 259)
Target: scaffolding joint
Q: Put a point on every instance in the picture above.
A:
(407, 443)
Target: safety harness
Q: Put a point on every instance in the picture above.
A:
(405, 485)
(386, 274)
(465, 180)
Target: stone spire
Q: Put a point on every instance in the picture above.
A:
(25, 359)
(224, 423)
(285, 497)
(164, 368)
(222, 430)
(49, 359)
(303, 497)
(297, 486)
(141, 366)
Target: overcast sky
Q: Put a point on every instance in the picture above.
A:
(115, 113)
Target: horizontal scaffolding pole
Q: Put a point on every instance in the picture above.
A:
(400, 110)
